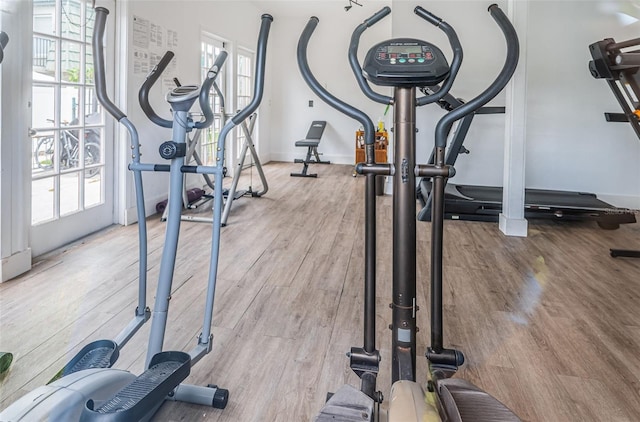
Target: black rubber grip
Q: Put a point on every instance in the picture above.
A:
(428, 16)
(353, 57)
(321, 92)
(143, 94)
(378, 16)
(261, 57)
(210, 79)
(456, 47)
(99, 66)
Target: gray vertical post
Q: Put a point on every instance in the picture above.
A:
(404, 232)
(437, 236)
(169, 251)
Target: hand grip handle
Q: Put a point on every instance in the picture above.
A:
(212, 74)
(378, 16)
(428, 16)
(456, 62)
(261, 56)
(143, 94)
(99, 66)
(353, 57)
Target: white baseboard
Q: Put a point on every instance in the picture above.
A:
(131, 214)
(16, 264)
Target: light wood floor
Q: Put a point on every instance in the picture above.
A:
(549, 324)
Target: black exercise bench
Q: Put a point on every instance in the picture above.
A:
(311, 141)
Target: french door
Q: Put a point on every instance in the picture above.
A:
(71, 144)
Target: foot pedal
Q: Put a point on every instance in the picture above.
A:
(166, 371)
(346, 405)
(463, 401)
(99, 354)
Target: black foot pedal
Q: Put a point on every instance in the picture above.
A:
(99, 354)
(166, 371)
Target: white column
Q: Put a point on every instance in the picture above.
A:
(15, 144)
(512, 221)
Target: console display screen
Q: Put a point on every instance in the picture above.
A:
(404, 49)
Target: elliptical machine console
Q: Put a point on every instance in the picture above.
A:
(405, 62)
(185, 93)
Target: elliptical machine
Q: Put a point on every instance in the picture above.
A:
(406, 64)
(88, 388)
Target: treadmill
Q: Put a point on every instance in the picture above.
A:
(621, 71)
(484, 203)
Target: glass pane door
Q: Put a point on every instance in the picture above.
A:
(68, 125)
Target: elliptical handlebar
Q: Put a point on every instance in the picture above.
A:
(99, 66)
(457, 55)
(258, 86)
(316, 87)
(203, 97)
(428, 16)
(210, 79)
(143, 94)
(511, 62)
(356, 67)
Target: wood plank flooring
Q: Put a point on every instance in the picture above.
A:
(549, 324)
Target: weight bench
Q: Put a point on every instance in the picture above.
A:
(311, 141)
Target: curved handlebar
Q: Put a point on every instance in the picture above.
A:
(258, 86)
(353, 56)
(212, 74)
(354, 113)
(143, 94)
(511, 62)
(457, 55)
(428, 16)
(98, 65)
(4, 39)
(377, 16)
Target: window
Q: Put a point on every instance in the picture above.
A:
(67, 121)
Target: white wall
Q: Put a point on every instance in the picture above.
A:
(570, 146)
